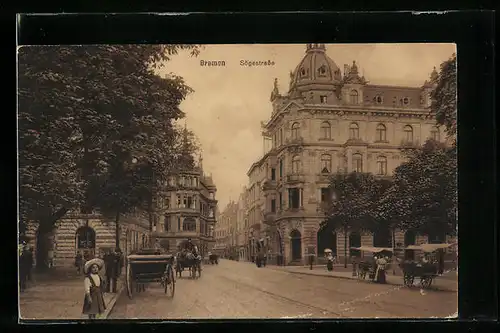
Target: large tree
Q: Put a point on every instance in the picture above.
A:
(353, 197)
(444, 96)
(424, 193)
(85, 112)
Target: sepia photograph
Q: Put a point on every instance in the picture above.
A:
(242, 181)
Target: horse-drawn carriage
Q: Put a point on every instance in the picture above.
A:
(369, 267)
(148, 266)
(426, 270)
(190, 260)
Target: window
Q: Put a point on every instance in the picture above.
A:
(357, 163)
(406, 101)
(293, 198)
(435, 134)
(179, 201)
(281, 136)
(381, 165)
(168, 223)
(322, 70)
(354, 96)
(167, 203)
(381, 132)
(408, 134)
(326, 163)
(354, 131)
(378, 99)
(273, 205)
(326, 130)
(189, 224)
(325, 194)
(185, 201)
(295, 130)
(281, 169)
(323, 99)
(178, 223)
(280, 200)
(275, 141)
(273, 174)
(295, 164)
(302, 72)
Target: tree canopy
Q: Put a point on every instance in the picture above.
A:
(444, 96)
(85, 114)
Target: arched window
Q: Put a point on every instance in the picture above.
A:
(322, 70)
(326, 163)
(296, 164)
(189, 224)
(381, 165)
(326, 130)
(354, 131)
(381, 132)
(354, 96)
(357, 163)
(435, 134)
(85, 238)
(295, 130)
(408, 134)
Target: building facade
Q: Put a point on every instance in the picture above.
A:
(225, 230)
(330, 122)
(186, 208)
(89, 233)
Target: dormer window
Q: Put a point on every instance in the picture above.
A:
(302, 72)
(322, 70)
(323, 99)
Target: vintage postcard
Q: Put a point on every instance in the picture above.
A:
(260, 181)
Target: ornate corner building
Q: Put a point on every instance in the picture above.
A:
(329, 122)
(186, 208)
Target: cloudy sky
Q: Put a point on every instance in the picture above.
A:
(228, 103)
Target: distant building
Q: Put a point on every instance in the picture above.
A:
(187, 208)
(330, 122)
(225, 230)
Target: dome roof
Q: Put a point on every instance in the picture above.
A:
(316, 68)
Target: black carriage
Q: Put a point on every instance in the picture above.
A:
(426, 271)
(369, 267)
(150, 266)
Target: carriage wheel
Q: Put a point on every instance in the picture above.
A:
(129, 280)
(426, 281)
(170, 282)
(408, 280)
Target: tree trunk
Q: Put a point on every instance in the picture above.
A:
(345, 248)
(117, 230)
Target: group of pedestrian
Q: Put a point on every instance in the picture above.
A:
(25, 265)
(94, 284)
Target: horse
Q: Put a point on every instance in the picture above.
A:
(190, 260)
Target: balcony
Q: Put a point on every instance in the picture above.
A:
(269, 185)
(292, 212)
(294, 141)
(405, 144)
(295, 178)
(355, 142)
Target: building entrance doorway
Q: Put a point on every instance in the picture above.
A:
(85, 242)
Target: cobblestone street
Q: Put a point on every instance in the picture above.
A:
(241, 290)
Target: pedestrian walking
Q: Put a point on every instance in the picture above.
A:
(93, 304)
(79, 262)
(380, 272)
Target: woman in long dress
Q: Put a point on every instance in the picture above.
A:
(93, 304)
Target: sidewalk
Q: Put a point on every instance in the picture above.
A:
(58, 295)
(447, 282)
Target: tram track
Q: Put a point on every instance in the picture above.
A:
(283, 298)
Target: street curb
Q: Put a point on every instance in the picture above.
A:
(350, 278)
(112, 303)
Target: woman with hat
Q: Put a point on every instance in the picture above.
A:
(93, 304)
